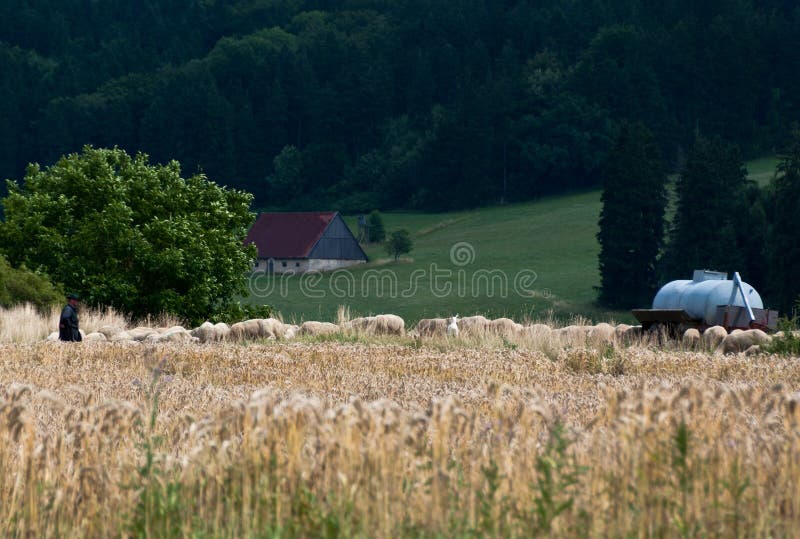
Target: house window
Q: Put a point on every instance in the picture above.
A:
(283, 264)
(297, 264)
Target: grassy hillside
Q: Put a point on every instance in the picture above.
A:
(550, 244)
(518, 261)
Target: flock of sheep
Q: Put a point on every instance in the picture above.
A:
(715, 339)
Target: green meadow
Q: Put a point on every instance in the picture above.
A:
(523, 261)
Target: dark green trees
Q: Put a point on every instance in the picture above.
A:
(632, 219)
(718, 223)
(784, 236)
(429, 105)
(124, 233)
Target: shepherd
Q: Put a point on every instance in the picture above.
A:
(68, 325)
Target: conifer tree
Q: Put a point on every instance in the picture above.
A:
(632, 219)
(784, 247)
(709, 229)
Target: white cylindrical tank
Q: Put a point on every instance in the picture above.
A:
(701, 296)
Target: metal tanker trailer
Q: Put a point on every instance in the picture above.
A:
(708, 299)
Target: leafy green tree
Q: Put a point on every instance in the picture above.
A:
(709, 231)
(783, 247)
(399, 243)
(20, 285)
(122, 232)
(377, 232)
(632, 219)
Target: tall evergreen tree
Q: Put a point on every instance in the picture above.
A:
(784, 247)
(632, 219)
(709, 231)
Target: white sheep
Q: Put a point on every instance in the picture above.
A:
(428, 327)
(452, 326)
(95, 337)
(475, 325)
(141, 333)
(505, 327)
(318, 328)
(290, 331)
(713, 337)
(691, 338)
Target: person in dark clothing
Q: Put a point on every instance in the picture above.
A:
(68, 325)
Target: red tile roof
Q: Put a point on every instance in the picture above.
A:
(288, 235)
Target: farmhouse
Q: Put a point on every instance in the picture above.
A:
(303, 241)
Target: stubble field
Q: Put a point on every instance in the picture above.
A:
(392, 438)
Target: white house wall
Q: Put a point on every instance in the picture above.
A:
(303, 265)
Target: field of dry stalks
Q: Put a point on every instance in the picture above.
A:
(394, 438)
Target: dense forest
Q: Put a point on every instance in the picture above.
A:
(361, 104)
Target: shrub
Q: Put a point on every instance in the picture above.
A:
(788, 343)
(399, 243)
(18, 286)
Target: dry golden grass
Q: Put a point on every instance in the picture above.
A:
(24, 324)
(395, 438)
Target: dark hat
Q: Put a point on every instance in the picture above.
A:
(73, 296)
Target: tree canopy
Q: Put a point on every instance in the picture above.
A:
(368, 104)
(129, 234)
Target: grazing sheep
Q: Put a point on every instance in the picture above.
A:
(290, 331)
(428, 327)
(602, 333)
(505, 327)
(536, 332)
(753, 350)
(121, 336)
(362, 323)
(171, 329)
(620, 330)
(247, 330)
(382, 324)
(223, 330)
(177, 334)
(271, 328)
(691, 338)
(452, 327)
(95, 337)
(391, 324)
(140, 333)
(538, 329)
(742, 340)
(318, 328)
(574, 334)
(713, 337)
(109, 331)
(206, 332)
(474, 325)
